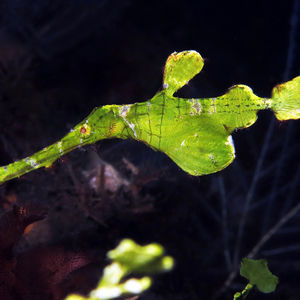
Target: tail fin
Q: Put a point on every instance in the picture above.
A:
(286, 100)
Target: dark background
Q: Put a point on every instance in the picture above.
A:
(59, 60)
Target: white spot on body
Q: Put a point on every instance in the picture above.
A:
(197, 106)
(124, 110)
(165, 86)
(5, 168)
(131, 125)
(59, 146)
(212, 158)
(31, 162)
(230, 143)
(133, 286)
(182, 143)
(71, 130)
(148, 103)
(212, 108)
(213, 104)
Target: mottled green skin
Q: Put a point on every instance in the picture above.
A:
(195, 137)
(195, 133)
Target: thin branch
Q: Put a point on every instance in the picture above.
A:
(294, 186)
(250, 193)
(281, 250)
(276, 177)
(224, 222)
(273, 230)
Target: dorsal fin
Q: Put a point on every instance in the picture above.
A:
(180, 68)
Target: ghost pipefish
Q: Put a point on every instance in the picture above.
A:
(194, 133)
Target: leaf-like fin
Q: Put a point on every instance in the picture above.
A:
(180, 68)
(199, 146)
(239, 106)
(286, 100)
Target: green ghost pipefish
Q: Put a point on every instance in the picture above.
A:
(194, 133)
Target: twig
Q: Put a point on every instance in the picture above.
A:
(224, 222)
(281, 250)
(294, 185)
(250, 193)
(273, 230)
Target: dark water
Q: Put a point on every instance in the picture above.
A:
(59, 60)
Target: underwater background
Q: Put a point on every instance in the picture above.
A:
(59, 60)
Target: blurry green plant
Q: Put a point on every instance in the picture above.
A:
(259, 275)
(194, 133)
(129, 258)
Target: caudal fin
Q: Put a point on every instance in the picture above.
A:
(286, 100)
